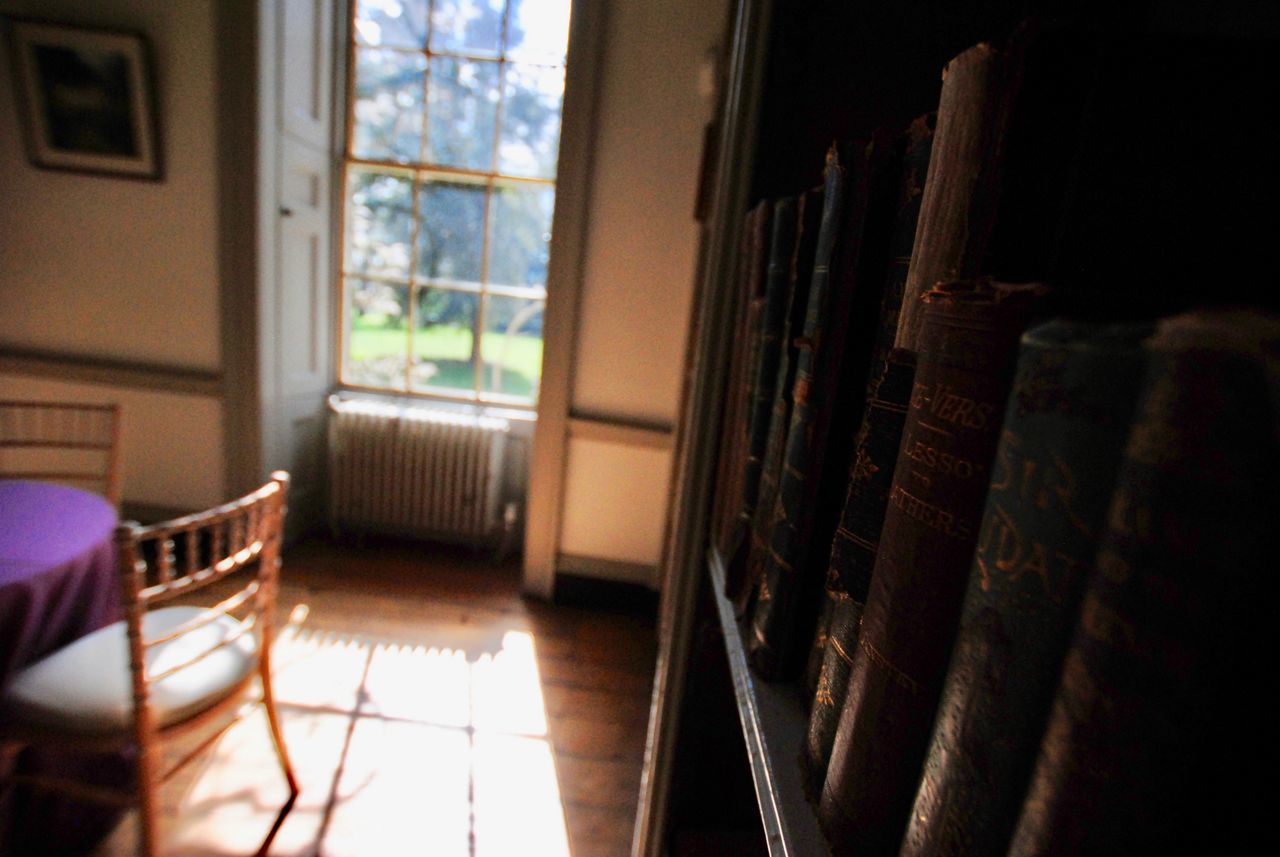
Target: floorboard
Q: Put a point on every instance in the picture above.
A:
(430, 709)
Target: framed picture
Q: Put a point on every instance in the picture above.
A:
(86, 98)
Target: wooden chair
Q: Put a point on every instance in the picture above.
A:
(165, 670)
(78, 444)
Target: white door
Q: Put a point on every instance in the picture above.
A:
(295, 304)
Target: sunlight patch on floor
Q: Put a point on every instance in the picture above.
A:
(400, 747)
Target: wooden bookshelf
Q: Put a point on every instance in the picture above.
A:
(796, 77)
(773, 727)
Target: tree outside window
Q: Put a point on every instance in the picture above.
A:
(453, 133)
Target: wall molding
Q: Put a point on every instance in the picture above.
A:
(79, 368)
(623, 432)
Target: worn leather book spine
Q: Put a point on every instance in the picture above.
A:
(853, 556)
(959, 195)
(1157, 741)
(868, 271)
(782, 247)
(968, 345)
(875, 451)
(1063, 434)
(733, 443)
(752, 551)
(820, 439)
(768, 642)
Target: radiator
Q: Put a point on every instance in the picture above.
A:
(414, 470)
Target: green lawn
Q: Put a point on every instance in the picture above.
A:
(449, 348)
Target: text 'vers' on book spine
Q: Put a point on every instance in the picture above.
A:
(1158, 741)
(1063, 433)
(968, 348)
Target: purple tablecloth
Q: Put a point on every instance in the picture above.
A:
(58, 578)
(58, 582)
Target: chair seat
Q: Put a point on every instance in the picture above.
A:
(85, 687)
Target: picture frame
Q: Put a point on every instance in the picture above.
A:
(86, 98)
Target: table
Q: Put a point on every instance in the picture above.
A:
(58, 578)
(58, 582)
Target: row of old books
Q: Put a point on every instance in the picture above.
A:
(1021, 566)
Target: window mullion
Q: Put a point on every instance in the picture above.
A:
(482, 302)
(413, 279)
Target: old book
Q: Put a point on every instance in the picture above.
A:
(959, 196)
(1157, 741)
(753, 549)
(855, 539)
(829, 393)
(767, 636)
(1063, 433)
(968, 345)
(742, 363)
(769, 356)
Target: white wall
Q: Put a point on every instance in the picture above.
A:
(178, 466)
(638, 274)
(126, 271)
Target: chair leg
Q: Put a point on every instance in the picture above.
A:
(273, 720)
(148, 811)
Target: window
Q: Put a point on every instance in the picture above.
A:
(452, 135)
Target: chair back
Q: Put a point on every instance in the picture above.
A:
(73, 443)
(161, 564)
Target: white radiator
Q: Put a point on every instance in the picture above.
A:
(415, 470)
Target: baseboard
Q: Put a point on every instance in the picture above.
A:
(592, 591)
(639, 573)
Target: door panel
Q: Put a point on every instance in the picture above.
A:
(306, 54)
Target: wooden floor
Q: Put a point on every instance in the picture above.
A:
(430, 710)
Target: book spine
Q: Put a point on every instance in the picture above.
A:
(1157, 742)
(782, 246)
(1061, 441)
(873, 270)
(959, 194)
(968, 346)
(753, 551)
(821, 447)
(733, 443)
(874, 453)
(853, 555)
(769, 643)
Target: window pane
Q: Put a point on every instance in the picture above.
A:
(392, 23)
(467, 26)
(531, 120)
(538, 30)
(388, 110)
(520, 234)
(451, 240)
(377, 319)
(379, 223)
(462, 107)
(512, 346)
(443, 339)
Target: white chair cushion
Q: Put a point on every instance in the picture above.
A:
(86, 686)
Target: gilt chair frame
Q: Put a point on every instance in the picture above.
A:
(235, 535)
(71, 426)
